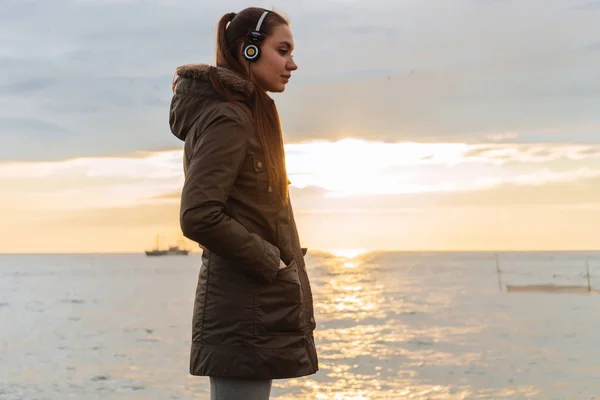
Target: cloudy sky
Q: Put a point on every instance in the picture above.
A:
(414, 124)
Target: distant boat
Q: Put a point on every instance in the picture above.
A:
(176, 250)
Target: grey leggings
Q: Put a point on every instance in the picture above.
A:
(239, 389)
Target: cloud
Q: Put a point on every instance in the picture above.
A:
(588, 6)
(169, 197)
(94, 183)
(27, 126)
(392, 195)
(528, 153)
(538, 178)
(594, 46)
(322, 169)
(29, 86)
(102, 71)
(502, 137)
(156, 165)
(577, 189)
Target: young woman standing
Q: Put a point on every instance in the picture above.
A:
(253, 315)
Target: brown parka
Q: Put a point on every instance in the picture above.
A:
(250, 318)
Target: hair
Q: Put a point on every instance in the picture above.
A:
(232, 30)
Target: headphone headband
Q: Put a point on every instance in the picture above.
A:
(251, 50)
(260, 21)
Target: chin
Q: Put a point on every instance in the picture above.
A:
(277, 89)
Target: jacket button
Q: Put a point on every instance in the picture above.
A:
(259, 164)
(312, 320)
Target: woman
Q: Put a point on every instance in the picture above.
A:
(253, 314)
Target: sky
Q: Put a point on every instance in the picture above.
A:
(409, 125)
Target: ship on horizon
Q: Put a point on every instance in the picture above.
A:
(173, 250)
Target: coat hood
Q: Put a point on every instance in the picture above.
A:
(194, 94)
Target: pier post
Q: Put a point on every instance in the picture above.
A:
(587, 268)
(498, 271)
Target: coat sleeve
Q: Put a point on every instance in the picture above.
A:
(217, 157)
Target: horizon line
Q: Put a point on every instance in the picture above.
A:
(366, 251)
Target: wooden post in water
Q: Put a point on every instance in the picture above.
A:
(498, 271)
(587, 268)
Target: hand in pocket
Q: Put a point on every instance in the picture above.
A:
(283, 265)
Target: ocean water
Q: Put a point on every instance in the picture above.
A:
(414, 325)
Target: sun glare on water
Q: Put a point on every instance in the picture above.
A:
(348, 253)
(348, 256)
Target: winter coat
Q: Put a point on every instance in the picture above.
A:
(250, 319)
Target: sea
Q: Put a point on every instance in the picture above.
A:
(390, 325)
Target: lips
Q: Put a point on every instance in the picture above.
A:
(286, 77)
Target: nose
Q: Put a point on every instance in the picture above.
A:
(292, 66)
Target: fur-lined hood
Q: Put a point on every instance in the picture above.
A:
(195, 98)
(233, 81)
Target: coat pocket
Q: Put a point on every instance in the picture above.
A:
(278, 303)
(199, 305)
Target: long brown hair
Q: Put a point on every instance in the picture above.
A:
(232, 30)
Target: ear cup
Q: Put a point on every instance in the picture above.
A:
(251, 46)
(251, 52)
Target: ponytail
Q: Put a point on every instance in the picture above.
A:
(226, 50)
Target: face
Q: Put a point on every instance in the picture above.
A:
(274, 68)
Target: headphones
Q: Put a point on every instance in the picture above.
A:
(251, 51)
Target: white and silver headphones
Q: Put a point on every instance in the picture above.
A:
(251, 50)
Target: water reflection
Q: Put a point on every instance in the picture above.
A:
(389, 326)
(377, 337)
(348, 253)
